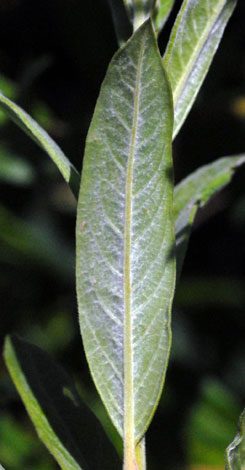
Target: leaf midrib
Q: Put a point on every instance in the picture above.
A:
(196, 52)
(128, 346)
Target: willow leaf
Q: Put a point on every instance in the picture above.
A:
(235, 452)
(120, 16)
(125, 239)
(194, 40)
(195, 191)
(66, 426)
(162, 12)
(40, 136)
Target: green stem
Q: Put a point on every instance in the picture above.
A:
(140, 455)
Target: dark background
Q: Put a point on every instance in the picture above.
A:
(53, 57)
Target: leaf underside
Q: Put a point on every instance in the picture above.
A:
(64, 423)
(194, 40)
(125, 239)
(235, 452)
(195, 191)
(40, 136)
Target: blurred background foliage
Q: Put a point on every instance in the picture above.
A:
(53, 57)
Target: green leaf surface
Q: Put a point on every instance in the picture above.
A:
(194, 40)
(195, 191)
(40, 136)
(122, 24)
(235, 452)
(66, 426)
(162, 12)
(125, 237)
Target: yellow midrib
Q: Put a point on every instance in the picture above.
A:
(128, 346)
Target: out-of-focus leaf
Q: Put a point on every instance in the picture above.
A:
(161, 14)
(18, 446)
(223, 292)
(142, 10)
(67, 427)
(139, 11)
(7, 87)
(125, 240)
(235, 452)
(194, 40)
(195, 191)
(14, 169)
(40, 136)
(1, 467)
(35, 242)
(122, 24)
(210, 426)
(45, 117)
(56, 335)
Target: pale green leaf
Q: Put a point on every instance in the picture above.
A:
(235, 452)
(65, 425)
(195, 191)
(125, 239)
(1, 467)
(40, 136)
(194, 40)
(162, 12)
(120, 16)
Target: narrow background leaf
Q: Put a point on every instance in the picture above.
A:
(162, 12)
(66, 426)
(40, 136)
(142, 10)
(194, 40)
(125, 239)
(235, 452)
(122, 24)
(195, 191)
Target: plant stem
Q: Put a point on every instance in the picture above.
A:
(129, 458)
(140, 455)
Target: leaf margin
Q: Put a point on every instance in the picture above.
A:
(189, 206)
(179, 30)
(43, 140)
(46, 435)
